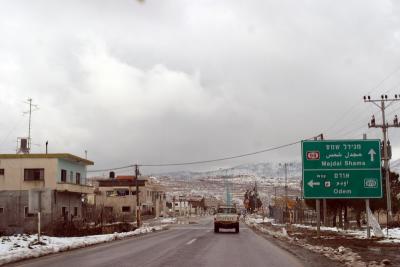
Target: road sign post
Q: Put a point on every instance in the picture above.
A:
(341, 169)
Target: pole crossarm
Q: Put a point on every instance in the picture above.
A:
(386, 126)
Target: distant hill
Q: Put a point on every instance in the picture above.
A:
(395, 165)
(262, 169)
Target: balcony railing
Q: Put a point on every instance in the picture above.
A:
(76, 188)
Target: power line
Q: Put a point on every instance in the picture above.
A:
(357, 103)
(202, 161)
(221, 159)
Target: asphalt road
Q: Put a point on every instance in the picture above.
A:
(181, 245)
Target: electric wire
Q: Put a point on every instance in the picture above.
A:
(344, 114)
(264, 150)
(203, 161)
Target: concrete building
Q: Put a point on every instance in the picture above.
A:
(196, 204)
(116, 198)
(181, 205)
(60, 177)
(211, 204)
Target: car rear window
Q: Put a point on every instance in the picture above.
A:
(226, 210)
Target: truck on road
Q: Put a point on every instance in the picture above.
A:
(226, 218)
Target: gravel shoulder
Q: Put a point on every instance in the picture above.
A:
(309, 258)
(332, 248)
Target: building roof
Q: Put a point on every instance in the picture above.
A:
(65, 156)
(125, 177)
(115, 182)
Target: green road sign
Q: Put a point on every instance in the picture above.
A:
(342, 169)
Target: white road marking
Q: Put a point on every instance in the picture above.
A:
(191, 241)
(188, 228)
(208, 231)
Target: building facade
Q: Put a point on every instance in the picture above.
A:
(115, 198)
(61, 180)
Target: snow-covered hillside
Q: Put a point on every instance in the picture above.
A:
(395, 165)
(262, 170)
(267, 176)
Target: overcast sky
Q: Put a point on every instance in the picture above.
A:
(170, 81)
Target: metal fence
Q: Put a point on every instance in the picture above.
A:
(308, 216)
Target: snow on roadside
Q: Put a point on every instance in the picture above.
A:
(18, 247)
(258, 219)
(168, 220)
(394, 233)
(340, 254)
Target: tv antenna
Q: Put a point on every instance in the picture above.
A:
(32, 107)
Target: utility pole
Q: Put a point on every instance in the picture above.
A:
(381, 104)
(137, 173)
(367, 206)
(318, 202)
(324, 205)
(255, 196)
(286, 192)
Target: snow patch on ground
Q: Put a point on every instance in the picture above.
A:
(258, 219)
(168, 220)
(19, 247)
(394, 233)
(340, 254)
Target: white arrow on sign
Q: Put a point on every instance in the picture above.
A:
(372, 153)
(312, 183)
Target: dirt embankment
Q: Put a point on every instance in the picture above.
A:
(340, 249)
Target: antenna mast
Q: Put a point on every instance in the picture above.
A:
(25, 143)
(30, 116)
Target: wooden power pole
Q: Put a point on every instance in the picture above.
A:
(138, 222)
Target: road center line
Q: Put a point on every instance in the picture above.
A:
(191, 241)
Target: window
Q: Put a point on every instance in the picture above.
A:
(226, 210)
(122, 192)
(63, 176)
(1, 171)
(75, 211)
(27, 214)
(64, 211)
(1, 210)
(126, 209)
(33, 174)
(78, 178)
(71, 177)
(110, 193)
